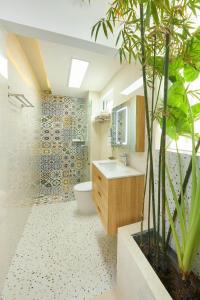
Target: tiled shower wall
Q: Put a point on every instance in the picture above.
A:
(64, 163)
(172, 161)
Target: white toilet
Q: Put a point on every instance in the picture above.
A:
(83, 196)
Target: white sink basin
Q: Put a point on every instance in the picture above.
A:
(109, 165)
(114, 169)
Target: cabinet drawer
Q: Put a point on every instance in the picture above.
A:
(104, 218)
(100, 180)
(101, 198)
(101, 205)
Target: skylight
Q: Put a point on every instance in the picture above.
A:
(133, 87)
(3, 66)
(77, 72)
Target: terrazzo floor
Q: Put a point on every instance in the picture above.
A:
(61, 255)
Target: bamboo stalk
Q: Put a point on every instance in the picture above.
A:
(159, 194)
(152, 119)
(149, 214)
(159, 187)
(163, 137)
(157, 98)
(147, 115)
(144, 194)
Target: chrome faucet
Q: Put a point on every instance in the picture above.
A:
(125, 158)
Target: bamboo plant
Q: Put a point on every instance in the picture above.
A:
(188, 241)
(178, 110)
(156, 34)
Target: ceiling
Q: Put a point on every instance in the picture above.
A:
(69, 18)
(57, 62)
(62, 29)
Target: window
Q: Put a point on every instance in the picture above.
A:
(3, 66)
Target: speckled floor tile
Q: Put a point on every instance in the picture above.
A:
(61, 255)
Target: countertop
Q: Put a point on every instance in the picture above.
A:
(113, 169)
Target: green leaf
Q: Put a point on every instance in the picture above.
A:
(178, 208)
(176, 64)
(167, 4)
(118, 37)
(175, 236)
(196, 111)
(197, 33)
(122, 55)
(93, 29)
(154, 13)
(174, 70)
(109, 26)
(190, 73)
(159, 63)
(177, 96)
(183, 126)
(105, 29)
(193, 236)
(97, 31)
(193, 51)
(129, 53)
(171, 129)
(148, 14)
(182, 204)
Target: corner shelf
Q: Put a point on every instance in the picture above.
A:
(77, 141)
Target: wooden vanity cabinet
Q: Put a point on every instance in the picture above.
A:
(118, 201)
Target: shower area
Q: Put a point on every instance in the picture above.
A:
(64, 159)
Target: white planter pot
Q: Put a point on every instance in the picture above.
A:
(136, 279)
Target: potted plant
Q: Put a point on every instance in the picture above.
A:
(160, 35)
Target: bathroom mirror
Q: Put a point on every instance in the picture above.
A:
(128, 125)
(122, 126)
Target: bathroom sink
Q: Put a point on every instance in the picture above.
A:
(114, 166)
(109, 165)
(114, 169)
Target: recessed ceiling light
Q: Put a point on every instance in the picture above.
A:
(133, 87)
(77, 72)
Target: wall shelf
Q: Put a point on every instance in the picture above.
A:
(77, 141)
(103, 117)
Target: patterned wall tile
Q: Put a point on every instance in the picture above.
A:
(63, 163)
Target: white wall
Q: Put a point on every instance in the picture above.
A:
(126, 76)
(94, 132)
(19, 164)
(119, 82)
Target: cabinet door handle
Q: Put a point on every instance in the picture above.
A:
(99, 209)
(99, 193)
(99, 177)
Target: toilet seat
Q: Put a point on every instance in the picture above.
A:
(83, 187)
